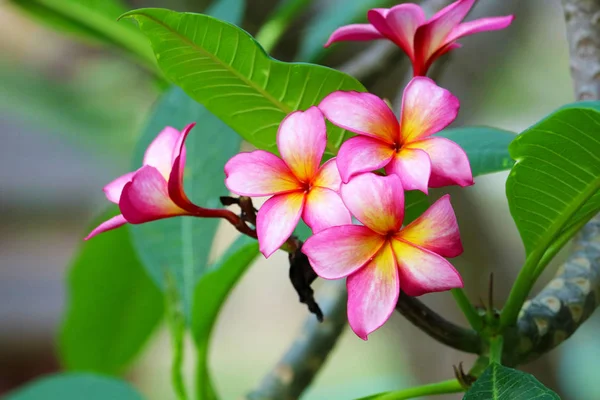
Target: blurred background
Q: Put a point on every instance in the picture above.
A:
(70, 113)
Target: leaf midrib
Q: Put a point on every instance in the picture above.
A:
(217, 60)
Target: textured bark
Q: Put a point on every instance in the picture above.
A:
(583, 34)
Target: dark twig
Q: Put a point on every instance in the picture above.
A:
(302, 276)
(296, 370)
(437, 327)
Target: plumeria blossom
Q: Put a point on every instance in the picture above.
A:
(155, 191)
(300, 188)
(422, 40)
(380, 258)
(404, 148)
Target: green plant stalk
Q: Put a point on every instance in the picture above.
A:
(270, 33)
(176, 322)
(204, 388)
(444, 387)
(127, 38)
(530, 271)
(496, 346)
(468, 309)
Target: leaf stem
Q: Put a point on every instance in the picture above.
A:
(468, 309)
(176, 322)
(270, 33)
(496, 346)
(444, 387)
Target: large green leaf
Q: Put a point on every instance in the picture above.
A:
(75, 387)
(334, 14)
(94, 20)
(487, 148)
(210, 295)
(502, 383)
(113, 306)
(224, 68)
(555, 182)
(182, 245)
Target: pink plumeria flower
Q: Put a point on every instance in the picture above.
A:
(380, 258)
(299, 187)
(155, 191)
(422, 40)
(404, 148)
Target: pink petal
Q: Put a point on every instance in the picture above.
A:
(449, 162)
(328, 176)
(436, 230)
(361, 113)
(338, 251)
(377, 18)
(259, 173)
(413, 167)
(108, 225)
(479, 25)
(324, 208)
(422, 271)
(373, 293)
(146, 198)
(422, 69)
(376, 201)
(430, 36)
(277, 219)
(403, 20)
(354, 32)
(113, 189)
(426, 109)
(175, 184)
(160, 152)
(362, 154)
(301, 140)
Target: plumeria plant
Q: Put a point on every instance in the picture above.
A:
(356, 170)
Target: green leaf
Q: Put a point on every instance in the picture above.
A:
(224, 68)
(502, 383)
(210, 295)
(94, 20)
(181, 245)
(415, 204)
(113, 306)
(334, 14)
(75, 387)
(487, 148)
(555, 182)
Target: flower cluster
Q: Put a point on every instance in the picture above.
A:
(367, 180)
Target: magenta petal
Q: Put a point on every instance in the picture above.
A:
(413, 167)
(108, 225)
(422, 271)
(449, 162)
(403, 20)
(146, 198)
(436, 230)
(376, 201)
(113, 189)
(431, 35)
(160, 152)
(426, 109)
(277, 219)
(361, 113)
(479, 25)
(355, 33)
(373, 293)
(259, 173)
(301, 140)
(324, 208)
(338, 251)
(175, 183)
(362, 154)
(328, 176)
